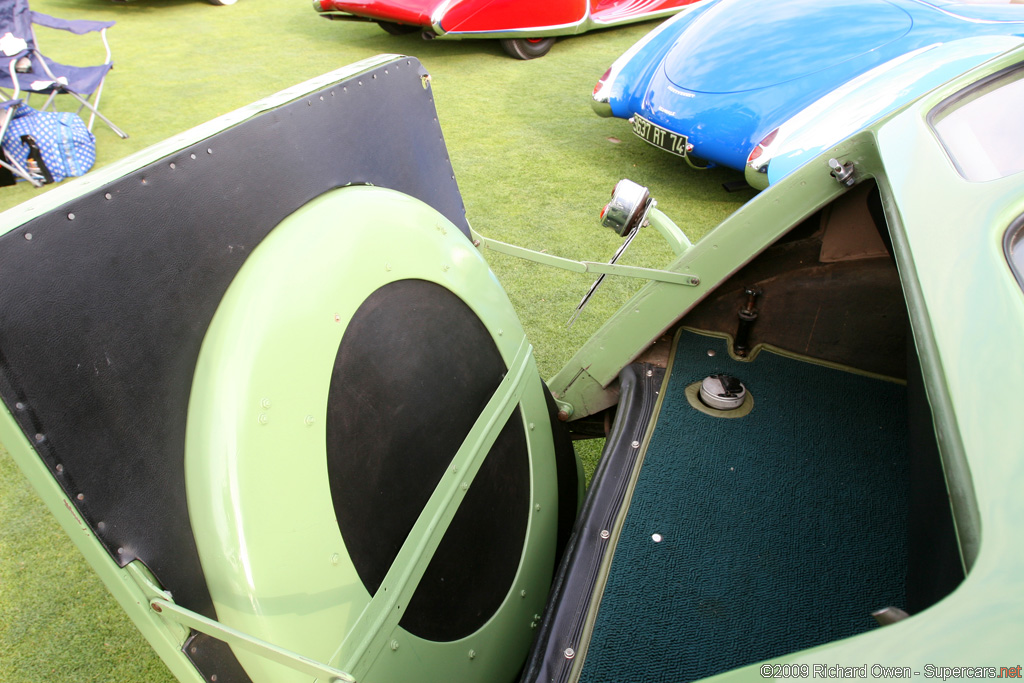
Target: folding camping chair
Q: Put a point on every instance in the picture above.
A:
(24, 69)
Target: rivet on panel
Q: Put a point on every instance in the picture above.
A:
(605, 534)
(60, 469)
(387, 267)
(28, 235)
(335, 558)
(394, 644)
(522, 593)
(109, 196)
(40, 438)
(80, 496)
(173, 166)
(309, 421)
(569, 653)
(263, 419)
(532, 426)
(711, 353)
(193, 156)
(472, 654)
(71, 216)
(636, 444)
(265, 402)
(537, 507)
(19, 405)
(465, 486)
(209, 150)
(337, 318)
(657, 538)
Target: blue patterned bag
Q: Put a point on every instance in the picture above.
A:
(56, 144)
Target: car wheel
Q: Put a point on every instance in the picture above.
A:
(396, 29)
(527, 48)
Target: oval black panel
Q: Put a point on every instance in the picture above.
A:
(414, 369)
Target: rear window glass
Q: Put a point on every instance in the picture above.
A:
(982, 127)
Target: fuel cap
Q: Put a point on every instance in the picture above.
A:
(722, 392)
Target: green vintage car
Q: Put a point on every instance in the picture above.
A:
(295, 425)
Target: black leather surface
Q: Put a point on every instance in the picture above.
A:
(102, 315)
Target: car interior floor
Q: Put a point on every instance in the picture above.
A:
(785, 524)
(751, 537)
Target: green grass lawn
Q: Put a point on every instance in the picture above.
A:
(534, 164)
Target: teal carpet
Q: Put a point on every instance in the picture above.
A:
(781, 530)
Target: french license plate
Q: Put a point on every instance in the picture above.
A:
(658, 136)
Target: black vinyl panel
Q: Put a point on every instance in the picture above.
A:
(104, 302)
(413, 372)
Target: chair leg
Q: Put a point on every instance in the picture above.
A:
(94, 112)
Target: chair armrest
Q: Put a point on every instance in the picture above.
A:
(77, 26)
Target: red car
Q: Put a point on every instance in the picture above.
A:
(526, 28)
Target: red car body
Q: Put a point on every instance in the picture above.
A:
(529, 22)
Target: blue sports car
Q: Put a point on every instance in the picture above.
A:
(715, 83)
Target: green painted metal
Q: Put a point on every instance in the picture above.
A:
(671, 232)
(166, 639)
(237, 639)
(256, 473)
(653, 274)
(584, 381)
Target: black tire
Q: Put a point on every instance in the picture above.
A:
(527, 48)
(396, 29)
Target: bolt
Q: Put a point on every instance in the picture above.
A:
(394, 644)
(522, 593)
(694, 280)
(156, 607)
(472, 654)
(563, 415)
